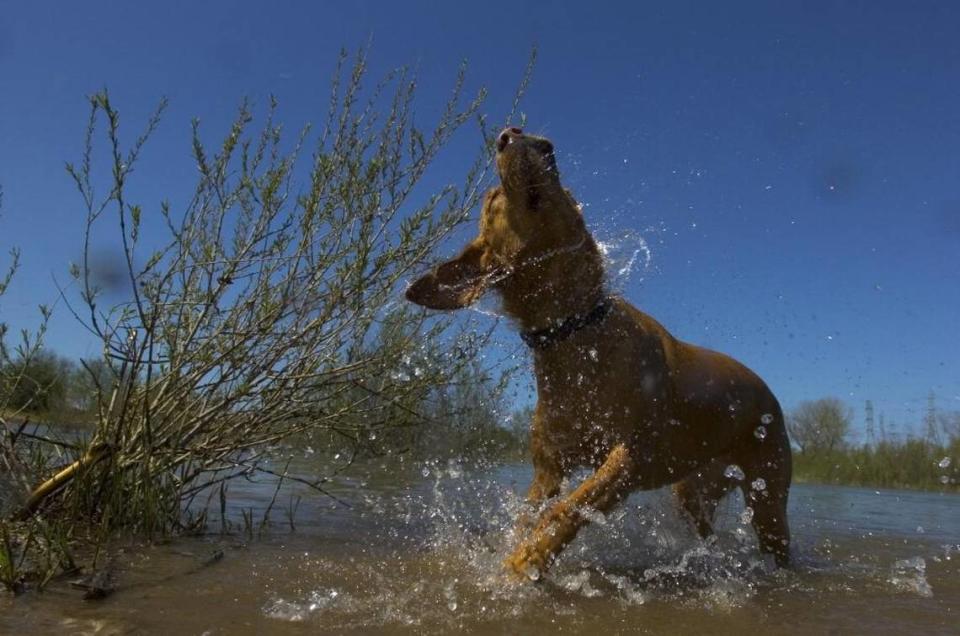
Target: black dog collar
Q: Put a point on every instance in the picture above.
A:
(544, 338)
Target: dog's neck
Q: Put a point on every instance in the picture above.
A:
(543, 339)
(553, 287)
(553, 267)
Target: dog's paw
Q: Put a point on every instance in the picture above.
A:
(524, 566)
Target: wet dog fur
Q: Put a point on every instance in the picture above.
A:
(620, 394)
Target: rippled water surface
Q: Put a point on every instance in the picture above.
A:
(420, 552)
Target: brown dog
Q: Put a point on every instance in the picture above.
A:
(615, 390)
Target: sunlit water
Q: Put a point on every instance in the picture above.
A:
(419, 550)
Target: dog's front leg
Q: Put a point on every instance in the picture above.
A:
(547, 475)
(559, 525)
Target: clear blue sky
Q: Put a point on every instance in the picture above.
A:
(794, 168)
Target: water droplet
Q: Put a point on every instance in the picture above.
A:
(593, 354)
(733, 472)
(453, 470)
(944, 480)
(944, 463)
(767, 418)
(532, 572)
(920, 530)
(452, 606)
(759, 484)
(760, 432)
(746, 516)
(425, 472)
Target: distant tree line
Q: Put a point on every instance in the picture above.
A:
(52, 387)
(821, 432)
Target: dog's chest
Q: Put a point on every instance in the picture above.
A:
(593, 399)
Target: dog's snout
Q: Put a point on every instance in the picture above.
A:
(507, 136)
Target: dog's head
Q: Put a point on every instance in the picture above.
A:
(527, 167)
(532, 239)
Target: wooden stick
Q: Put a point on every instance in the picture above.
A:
(94, 454)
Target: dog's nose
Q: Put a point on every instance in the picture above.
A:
(507, 136)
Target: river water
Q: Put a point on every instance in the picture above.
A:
(419, 549)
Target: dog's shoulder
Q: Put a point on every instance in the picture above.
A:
(641, 324)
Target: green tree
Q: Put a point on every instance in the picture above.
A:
(819, 426)
(43, 382)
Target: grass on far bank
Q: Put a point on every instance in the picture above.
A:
(914, 464)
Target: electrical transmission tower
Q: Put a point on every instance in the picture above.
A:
(930, 419)
(871, 433)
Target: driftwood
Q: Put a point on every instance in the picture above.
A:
(96, 453)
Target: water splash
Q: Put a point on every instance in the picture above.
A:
(624, 254)
(910, 575)
(299, 611)
(453, 571)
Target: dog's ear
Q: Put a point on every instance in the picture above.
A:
(454, 284)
